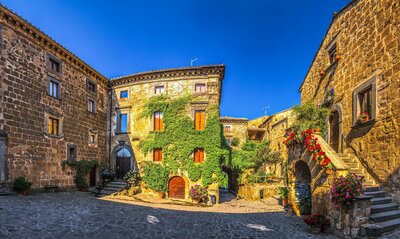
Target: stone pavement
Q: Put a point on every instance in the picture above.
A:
(80, 215)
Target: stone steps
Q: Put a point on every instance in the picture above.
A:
(112, 187)
(385, 215)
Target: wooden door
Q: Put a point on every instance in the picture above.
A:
(334, 131)
(93, 176)
(176, 188)
(123, 165)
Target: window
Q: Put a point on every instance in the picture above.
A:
(157, 155)
(199, 155)
(91, 106)
(123, 123)
(199, 119)
(72, 152)
(92, 137)
(53, 126)
(158, 121)
(123, 94)
(200, 88)
(53, 64)
(227, 128)
(229, 141)
(91, 86)
(364, 102)
(332, 53)
(159, 90)
(54, 88)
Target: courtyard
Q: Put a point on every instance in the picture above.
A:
(80, 215)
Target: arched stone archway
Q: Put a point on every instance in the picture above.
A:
(123, 159)
(303, 178)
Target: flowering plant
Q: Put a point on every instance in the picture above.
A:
(107, 173)
(345, 189)
(314, 148)
(363, 117)
(316, 220)
(199, 193)
(132, 177)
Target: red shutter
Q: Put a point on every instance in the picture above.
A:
(157, 155)
(198, 155)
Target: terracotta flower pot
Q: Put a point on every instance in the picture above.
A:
(338, 57)
(328, 171)
(316, 130)
(321, 72)
(284, 202)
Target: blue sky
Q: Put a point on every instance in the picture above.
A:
(266, 45)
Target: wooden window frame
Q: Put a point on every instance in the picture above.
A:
(94, 109)
(90, 82)
(51, 128)
(157, 155)
(230, 128)
(51, 81)
(198, 155)
(158, 123)
(50, 59)
(200, 123)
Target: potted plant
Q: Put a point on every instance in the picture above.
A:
(132, 178)
(22, 185)
(337, 56)
(283, 192)
(321, 72)
(107, 175)
(363, 117)
(198, 194)
(318, 223)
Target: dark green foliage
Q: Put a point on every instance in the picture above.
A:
(179, 139)
(22, 184)
(82, 168)
(310, 116)
(155, 176)
(235, 142)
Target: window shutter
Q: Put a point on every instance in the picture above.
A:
(49, 127)
(202, 120)
(196, 156)
(201, 155)
(161, 126)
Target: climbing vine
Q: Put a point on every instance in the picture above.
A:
(179, 139)
(82, 168)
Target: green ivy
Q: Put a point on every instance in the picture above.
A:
(82, 168)
(155, 176)
(179, 139)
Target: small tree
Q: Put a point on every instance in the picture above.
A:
(310, 116)
(265, 157)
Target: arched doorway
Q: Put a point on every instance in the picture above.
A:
(122, 163)
(334, 130)
(176, 187)
(302, 187)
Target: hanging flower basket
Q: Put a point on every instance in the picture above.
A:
(337, 56)
(322, 72)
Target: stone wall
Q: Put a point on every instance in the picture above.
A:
(25, 105)
(238, 128)
(367, 39)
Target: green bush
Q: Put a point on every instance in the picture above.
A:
(310, 116)
(283, 192)
(235, 142)
(22, 184)
(82, 168)
(155, 176)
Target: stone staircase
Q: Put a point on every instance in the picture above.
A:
(385, 215)
(358, 169)
(112, 187)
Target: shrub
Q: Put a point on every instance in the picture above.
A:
(132, 177)
(155, 176)
(22, 184)
(199, 193)
(235, 142)
(283, 192)
(345, 189)
(305, 206)
(310, 116)
(106, 173)
(82, 168)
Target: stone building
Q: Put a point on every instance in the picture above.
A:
(130, 129)
(235, 129)
(53, 106)
(356, 71)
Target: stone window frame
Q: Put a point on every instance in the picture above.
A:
(332, 45)
(74, 157)
(121, 111)
(89, 99)
(53, 58)
(230, 128)
(371, 83)
(58, 82)
(194, 155)
(120, 94)
(200, 92)
(88, 82)
(93, 132)
(162, 93)
(229, 139)
(49, 116)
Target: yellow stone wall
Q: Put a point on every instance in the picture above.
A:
(176, 84)
(238, 129)
(368, 43)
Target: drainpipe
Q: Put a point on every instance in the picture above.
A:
(110, 118)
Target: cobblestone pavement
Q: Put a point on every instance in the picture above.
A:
(80, 215)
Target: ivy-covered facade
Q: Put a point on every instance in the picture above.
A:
(166, 125)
